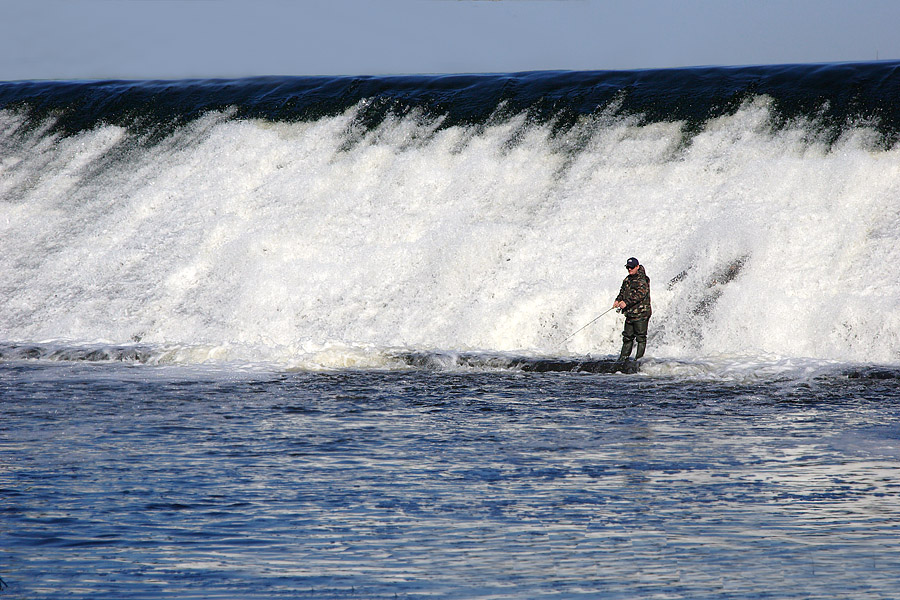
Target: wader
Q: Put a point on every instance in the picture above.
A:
(634, 330)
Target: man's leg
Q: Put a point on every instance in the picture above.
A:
(627, 340)
(640, 336)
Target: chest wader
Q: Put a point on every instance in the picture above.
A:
(634, 331)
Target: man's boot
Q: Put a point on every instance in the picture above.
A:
(641, 346)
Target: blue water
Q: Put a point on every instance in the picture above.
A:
(129, 481)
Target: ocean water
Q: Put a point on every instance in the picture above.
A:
(319, 337)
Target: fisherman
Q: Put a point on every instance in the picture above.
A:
(634, 301)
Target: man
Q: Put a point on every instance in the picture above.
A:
(634, 301)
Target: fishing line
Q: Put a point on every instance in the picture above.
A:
(585, 327)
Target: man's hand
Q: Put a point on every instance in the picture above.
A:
(620, 304)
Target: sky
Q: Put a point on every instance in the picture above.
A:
(176, 39)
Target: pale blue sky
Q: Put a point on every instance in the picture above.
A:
(66, 39)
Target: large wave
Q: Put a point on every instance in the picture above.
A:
(247, 220)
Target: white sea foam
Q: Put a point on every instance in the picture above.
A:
(319, 244)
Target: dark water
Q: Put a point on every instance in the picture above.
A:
(120, 481)
(834, 96)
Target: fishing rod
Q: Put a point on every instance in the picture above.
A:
(585, 327)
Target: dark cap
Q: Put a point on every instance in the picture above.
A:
(632, 263)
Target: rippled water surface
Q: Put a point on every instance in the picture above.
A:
(143, 482)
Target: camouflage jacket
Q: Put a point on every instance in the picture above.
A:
(635, 293)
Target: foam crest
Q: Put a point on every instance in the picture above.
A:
(284, 241)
